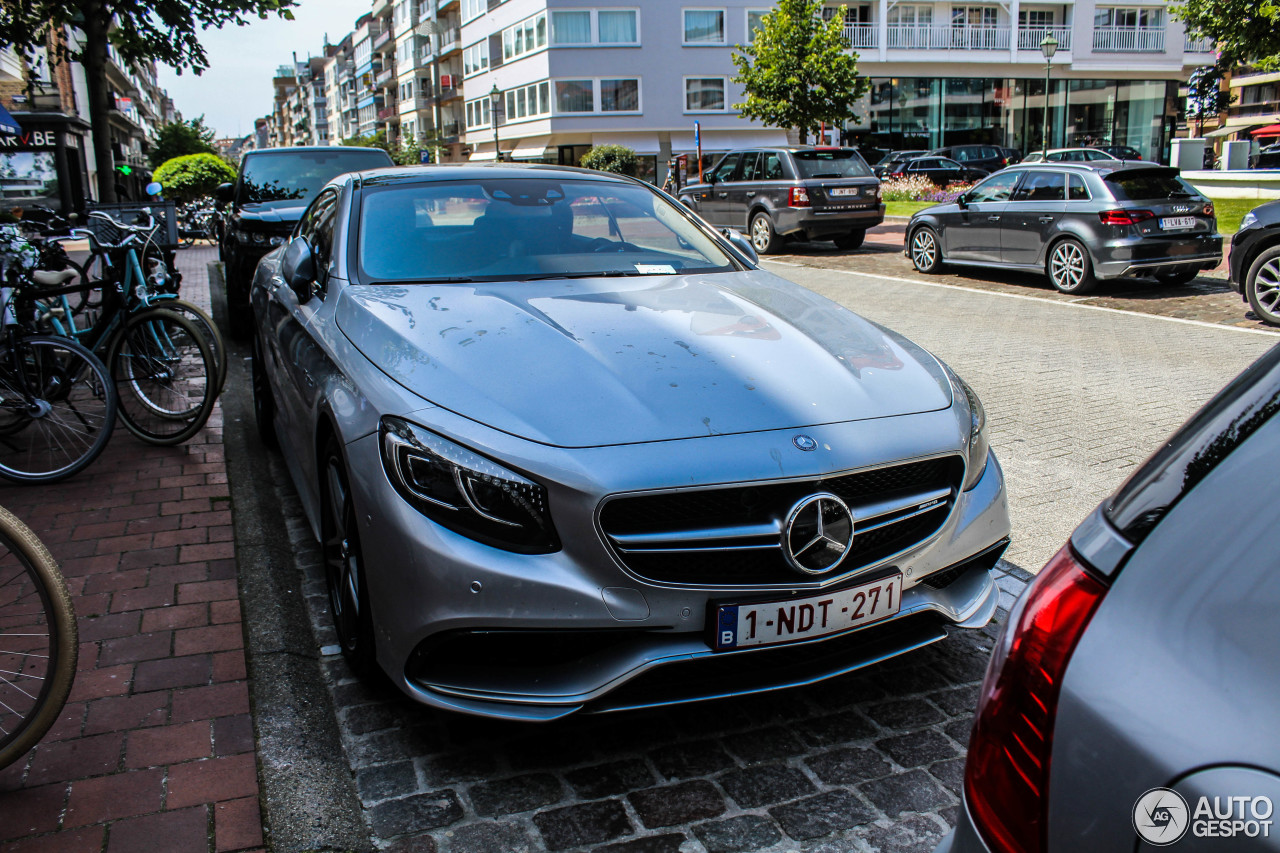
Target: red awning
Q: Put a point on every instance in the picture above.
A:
(1269, 130)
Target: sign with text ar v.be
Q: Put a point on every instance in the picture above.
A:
(32, 139)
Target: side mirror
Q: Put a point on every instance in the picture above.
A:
(742, 244)
(962, 200)
(298, 268)
(225, 192)
(710, 178)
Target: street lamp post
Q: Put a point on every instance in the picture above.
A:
(495, 96)
(1048, 47)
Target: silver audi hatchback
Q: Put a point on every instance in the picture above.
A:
(569, 449)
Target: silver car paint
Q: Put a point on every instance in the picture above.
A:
(423, 578)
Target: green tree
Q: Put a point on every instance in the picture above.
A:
(164, 31)
(1205, 98)
(193, 175)
(799, 71)
(373, 140)
(618, 159)
(181, 137)
(1244, 32)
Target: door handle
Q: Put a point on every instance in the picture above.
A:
(993, 218)
(1047, 218)
(751, 194)
(723, 195)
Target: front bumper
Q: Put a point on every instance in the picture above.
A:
(470, 628)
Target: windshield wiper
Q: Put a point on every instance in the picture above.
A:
(451, 279)
(604, 274)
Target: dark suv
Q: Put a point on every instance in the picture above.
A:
(987, 157)
(272, 190)
(780, 194)
(1254, 261)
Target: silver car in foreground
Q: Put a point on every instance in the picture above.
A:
(567, 448)
(1131, 701)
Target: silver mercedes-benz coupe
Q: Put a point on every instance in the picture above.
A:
(568, 448)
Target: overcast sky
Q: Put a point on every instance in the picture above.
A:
(242, 60)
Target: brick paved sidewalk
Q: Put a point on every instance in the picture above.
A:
(155, 749)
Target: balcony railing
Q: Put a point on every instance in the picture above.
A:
(1191, 44)
(1128, 40)
(1029, 38)
(949, 37)
(382, 39)
(1262, 109)
(388, 112)
(862, 36)
(384, 77)
(449, 39)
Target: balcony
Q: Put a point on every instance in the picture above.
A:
(384, 78)
(949, 37)
(1029, 38)
(862, 36)
(388, 112)
(382, 41)
(1128, 40)
(1190, 44)
(450, 39)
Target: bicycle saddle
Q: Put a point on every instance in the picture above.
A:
(49, 278)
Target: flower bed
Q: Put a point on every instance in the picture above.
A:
(919, 189)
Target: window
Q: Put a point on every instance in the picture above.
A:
(1042, 186)
(525, 37)
(595, 26)
(772, 170)
(1035, 19)
(528, 101)
(478, 112)
(996, 188)
(755, 19)
(911, 16)
(973, 16)
(704, 94)
(704, 26)
(750, 167)
(1079, 192)
(571, 27)
(1131, 18)
(475, 58)
(617, 26)
(619, 96)
(575, 96)
(724, 171)
(472, 9)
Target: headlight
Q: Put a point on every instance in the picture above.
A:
(276, 241)
(466, 492)
(1250, 219)
(977, 434)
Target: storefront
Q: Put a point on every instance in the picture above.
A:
(45, 164)
(929, 112)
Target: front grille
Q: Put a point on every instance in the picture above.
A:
(731, 535)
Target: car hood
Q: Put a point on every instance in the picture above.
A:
(593, 362)
(273, 212)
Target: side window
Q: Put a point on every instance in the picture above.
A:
(772, 167)
(1042, 186)
(950, 165)
(1079, 192)
(317, 227)
(724, 172)
(996, 188)
(750, 166)
(964, 155)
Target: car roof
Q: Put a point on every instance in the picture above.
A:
(293, 149)
(477, 171)
(1101, 167)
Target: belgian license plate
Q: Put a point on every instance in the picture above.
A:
(1170, 223)
(768, 623)
(845, 191)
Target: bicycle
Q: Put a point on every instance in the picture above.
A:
(38, 639)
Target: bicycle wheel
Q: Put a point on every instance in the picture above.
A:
(165, 376)
(205, 325)
(38, 639)
(57, 409)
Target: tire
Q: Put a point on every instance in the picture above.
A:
(165, 376)
(1178, 277)
(264, 403)
(344, 565)
(239, 311)
(35, 606)
(926, 254)
(57, 409)
(764, 239)
(205, 325)
(852, 240)
(1069, 268)
(1262, 286)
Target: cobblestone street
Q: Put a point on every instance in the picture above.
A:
(869, 762)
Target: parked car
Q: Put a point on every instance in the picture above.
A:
(1135, 683)
(1076, 222)
(1070, 155)
(941, 171)
(1254, 261)
(891, 161)
(1267, 157)
(568, 448)
(272, 188)
(1123, 152)
(987, 157)
(782, 194)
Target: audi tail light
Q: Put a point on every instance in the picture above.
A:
(1208, 210)
(1007, 774)
(1125, 217)
(799, 197)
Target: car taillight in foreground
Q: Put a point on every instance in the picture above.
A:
(799, 197)
(1208, 210)
(1007, 774)
(1125, 217)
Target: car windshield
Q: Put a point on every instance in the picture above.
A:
(298, 175)
(528, 229)
(831, 164)
(1149, 186)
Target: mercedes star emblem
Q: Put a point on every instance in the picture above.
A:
(818, 533)
(804, 442)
